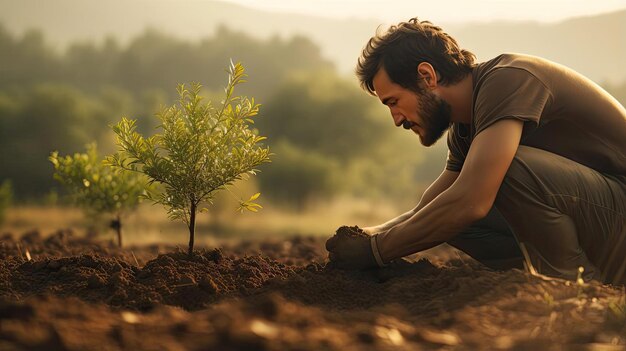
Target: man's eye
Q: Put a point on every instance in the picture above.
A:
(392, 103)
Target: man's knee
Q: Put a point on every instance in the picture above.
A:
(521, 178)
(491, 242)
(536, 200)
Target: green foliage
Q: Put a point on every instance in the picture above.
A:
(321, 112)
(54, 100)
(61, 100)
(26, 137)
(298, 176)
(6, 197)
(95, 186)
(200, 149)
(399, 169)
(27, 60)
(152, 60)
(249, 204)
(349, 142)
(48, 117)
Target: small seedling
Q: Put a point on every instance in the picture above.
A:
(199, 150)
(580, 283)
(98, 188)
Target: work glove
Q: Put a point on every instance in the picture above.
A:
(351, 248)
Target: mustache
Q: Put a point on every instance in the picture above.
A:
(407, 124)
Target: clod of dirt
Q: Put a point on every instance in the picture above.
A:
(351, 232)
(209, 285)
(95, 281)
(54, 265)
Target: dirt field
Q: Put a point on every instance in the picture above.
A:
(81, 294)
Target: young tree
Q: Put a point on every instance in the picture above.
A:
(201, 149)
(98, 188)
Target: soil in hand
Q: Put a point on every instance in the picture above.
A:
(351, 232)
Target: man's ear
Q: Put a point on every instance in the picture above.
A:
(427, 72)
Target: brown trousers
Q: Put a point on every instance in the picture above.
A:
(556, 215)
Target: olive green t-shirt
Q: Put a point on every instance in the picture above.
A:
(563, 112)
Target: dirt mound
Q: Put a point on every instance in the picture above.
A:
(275, 295)
(297, 250)
(173, 279)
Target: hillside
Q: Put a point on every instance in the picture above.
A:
(593, 45)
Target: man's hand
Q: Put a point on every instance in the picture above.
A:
(350, 248)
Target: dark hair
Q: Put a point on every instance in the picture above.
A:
(404, 46)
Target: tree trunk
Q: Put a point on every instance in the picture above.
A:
(192, 227)
(117, 225)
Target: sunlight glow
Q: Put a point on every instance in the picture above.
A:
(441, 11)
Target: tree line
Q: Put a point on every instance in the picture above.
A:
(329, 137)
(326, 133)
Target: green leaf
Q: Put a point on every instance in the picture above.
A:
(254, 197)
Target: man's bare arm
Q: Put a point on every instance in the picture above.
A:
(443, 182)
(468, 199)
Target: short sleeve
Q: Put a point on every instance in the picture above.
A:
(458, 146)
(509, 93)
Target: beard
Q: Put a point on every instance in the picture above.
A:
(436, 117)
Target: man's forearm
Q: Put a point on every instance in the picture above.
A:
(467, 200)
(437, 222)
(389, 224)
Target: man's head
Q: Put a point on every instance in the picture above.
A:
(404, 67)
(403, 47)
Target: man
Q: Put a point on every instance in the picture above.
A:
(536, 168)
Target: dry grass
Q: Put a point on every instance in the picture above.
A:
(151, 225)
(45, 219)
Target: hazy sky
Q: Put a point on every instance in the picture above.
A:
(442, 10)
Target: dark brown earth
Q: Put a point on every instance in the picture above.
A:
(80, 294)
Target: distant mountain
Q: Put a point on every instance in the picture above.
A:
(595, 46)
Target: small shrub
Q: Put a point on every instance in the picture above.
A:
(200, 150)
(97, 188)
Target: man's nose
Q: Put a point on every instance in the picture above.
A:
(398, 119)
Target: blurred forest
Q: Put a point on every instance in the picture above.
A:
(329, 137)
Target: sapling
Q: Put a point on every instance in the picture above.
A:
(198, 150)
(98, 188)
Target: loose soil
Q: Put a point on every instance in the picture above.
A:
(77, 293)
